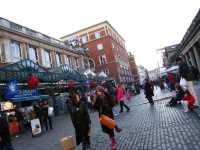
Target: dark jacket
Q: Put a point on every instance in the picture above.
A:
(104, 105)
(148, 89)
(4, 132)
(184, 72)
(80, 119)
(179, 95)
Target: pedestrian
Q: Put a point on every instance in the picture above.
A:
(104, 104)
(46, 117)
(148, 91)
(121, 98)
(172, 81)
(188, 101)
(81, 121)
(5, 139)
(38, 112)
(178, 97)
(186, 74)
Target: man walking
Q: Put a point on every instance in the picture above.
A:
(148, 91)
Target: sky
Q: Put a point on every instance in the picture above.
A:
(146, 25)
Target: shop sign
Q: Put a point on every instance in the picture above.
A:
(15, 91)
(5, 106)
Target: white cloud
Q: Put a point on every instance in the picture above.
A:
(145, 25)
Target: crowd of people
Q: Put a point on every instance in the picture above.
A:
(103, 101)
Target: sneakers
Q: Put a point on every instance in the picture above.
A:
(113, 144)
(185, 110)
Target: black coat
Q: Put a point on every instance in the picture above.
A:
(4, 132)
(184, 71)
(148, 90)
(80, 119)
(104, 105)
(179, 95)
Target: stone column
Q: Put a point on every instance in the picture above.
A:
(192, 59)
(187, 58)
(39, 55)
(24, 53)
(197, 57)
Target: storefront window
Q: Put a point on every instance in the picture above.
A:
(32, 54)
(13, 54)
(46, 58)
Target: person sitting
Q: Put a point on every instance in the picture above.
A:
(188, 101)
(178, 97)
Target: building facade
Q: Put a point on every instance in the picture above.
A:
(167, 54)
(106, 48)
(134, 69)
(18, 42)
(189, 48)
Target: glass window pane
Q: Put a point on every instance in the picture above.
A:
(100, 46)
(58, 59)
(32, 54)
(97, 35)
(14, 53)
(84, 39)
(46, 58)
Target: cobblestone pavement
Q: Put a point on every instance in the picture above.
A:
(145, 127)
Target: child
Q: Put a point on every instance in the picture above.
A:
(188, 101)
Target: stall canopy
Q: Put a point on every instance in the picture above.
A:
(20, 70)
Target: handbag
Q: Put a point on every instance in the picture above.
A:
(50, 111)
(183, 83)
(107, 121)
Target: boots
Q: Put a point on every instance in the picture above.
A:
(113, 144)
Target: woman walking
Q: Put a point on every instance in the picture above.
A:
(104, 104)
(81, 121)
(121, 98)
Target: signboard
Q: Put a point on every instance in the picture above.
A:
(36, 127)
(5, 106)
(15, 91)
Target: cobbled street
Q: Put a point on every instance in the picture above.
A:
(145, 127)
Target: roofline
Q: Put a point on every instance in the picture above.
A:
(68, 35)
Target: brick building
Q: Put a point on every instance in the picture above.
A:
(106, 48)
(18, 42)
(134, 68)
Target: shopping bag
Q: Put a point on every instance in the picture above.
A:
(50, 111)
(67, 143)
(183, 84)
(108, 122)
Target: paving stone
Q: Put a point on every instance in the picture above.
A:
(145, 127)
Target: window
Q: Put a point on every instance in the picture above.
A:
(84, 39)
(46, 58)
(102, 59)
(106, 71)
(100, 46)
(92, 64)
(32, 54)
(76, 61)
(66, 60)
(97, 35)
(13, 54)
(58, 59)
